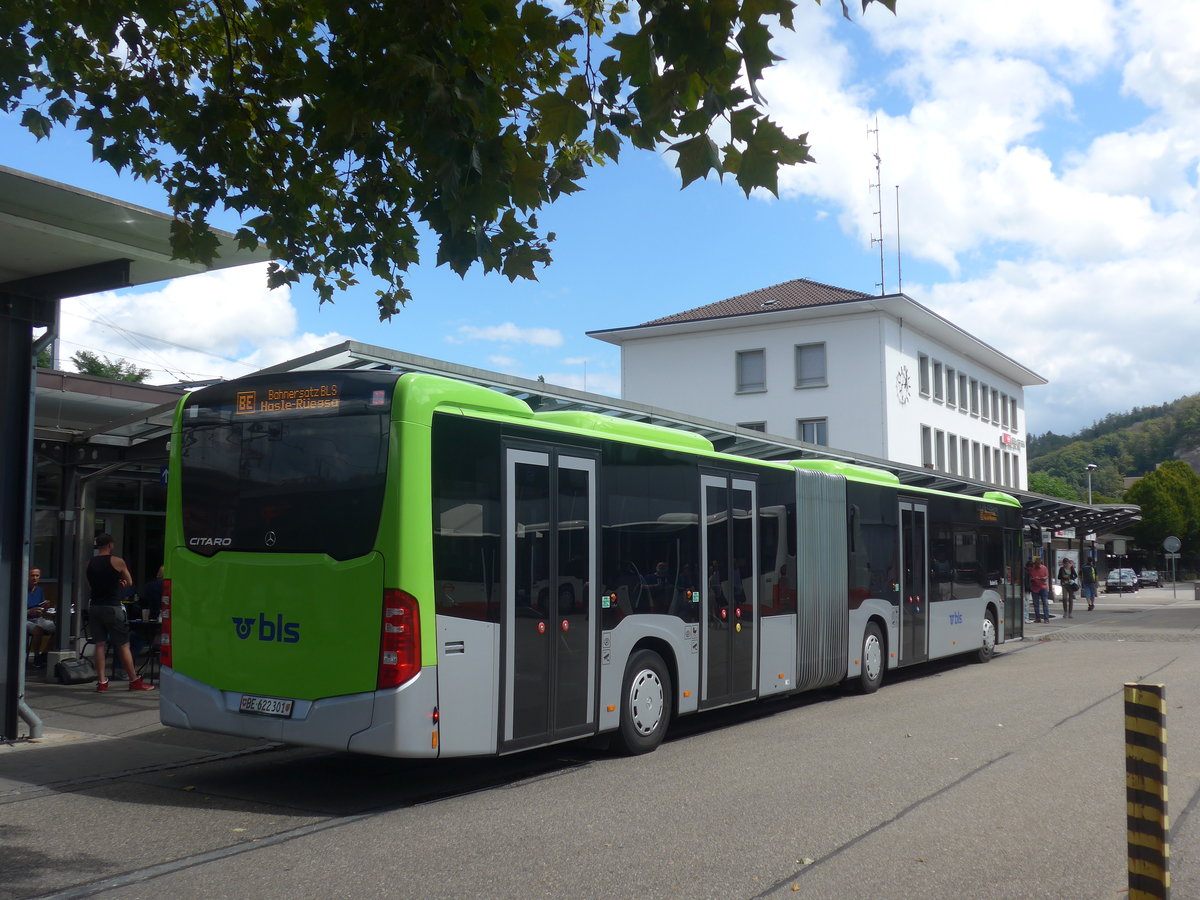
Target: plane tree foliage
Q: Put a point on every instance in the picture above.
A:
(1170, 501)
(342, 131)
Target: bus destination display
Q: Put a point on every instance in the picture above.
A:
(285, 396)
(319, 397)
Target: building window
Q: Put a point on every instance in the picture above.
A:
(923, 374)
(952, 453)
(1004, 410)
(995, 407)
(996, 463)
(987, 465)
(753, 426)
(983, 402)
(975, 460)
(937, 382)
(810, 365)
(939, 451)
(1007, 470)
(974, 397)
(966, 458)
(927, 446)
(1012, 413)
(751, 371)
(962, 392)
(813, 431)
(951, 379)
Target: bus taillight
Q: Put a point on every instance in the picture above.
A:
(400, 639)
(164, 616)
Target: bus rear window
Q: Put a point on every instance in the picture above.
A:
(310, 480)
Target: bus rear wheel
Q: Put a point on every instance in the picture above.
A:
(645, 703)
(871, 675)
(988, 648)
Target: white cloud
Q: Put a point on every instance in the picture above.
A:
(214, 325)
(509, 333)
(1074, 212)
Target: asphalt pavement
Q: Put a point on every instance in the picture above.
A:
(89, 807)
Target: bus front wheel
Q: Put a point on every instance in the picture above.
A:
(871, 675)
(645, 702)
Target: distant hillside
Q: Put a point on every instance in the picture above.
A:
(1121, 445)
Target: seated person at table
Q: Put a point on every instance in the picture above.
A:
(36, 625)
(151, 594)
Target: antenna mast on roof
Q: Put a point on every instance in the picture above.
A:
(878, 206)
(899, 274)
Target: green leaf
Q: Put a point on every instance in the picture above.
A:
(635, 56)
(754, 41)
(742, 122)
(697, 157)
(758, 169)
(607, 143)
(61, 110)
(37, 124)
(561, 121)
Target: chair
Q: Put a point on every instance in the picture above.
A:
(149, 667)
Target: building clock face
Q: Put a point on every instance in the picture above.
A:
(903, 385)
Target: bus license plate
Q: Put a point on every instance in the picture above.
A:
(265, 706)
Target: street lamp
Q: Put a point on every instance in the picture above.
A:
(1091, 467)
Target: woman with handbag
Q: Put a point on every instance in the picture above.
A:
(1069, 579)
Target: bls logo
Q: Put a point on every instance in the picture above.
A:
(268, 630)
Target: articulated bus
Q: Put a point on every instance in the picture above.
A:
(409, 565)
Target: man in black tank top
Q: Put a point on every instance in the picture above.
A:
(106, 575)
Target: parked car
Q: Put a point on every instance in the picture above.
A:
(1150, 578)
(1120, 581)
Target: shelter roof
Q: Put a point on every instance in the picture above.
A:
(48, 228)
(1047, 512)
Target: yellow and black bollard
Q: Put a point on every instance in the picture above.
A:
(1146, 792)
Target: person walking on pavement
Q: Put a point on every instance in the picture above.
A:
(1069, 579)
(1039, 577)
(1087, 578)
(107, 575)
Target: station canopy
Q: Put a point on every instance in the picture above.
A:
(57, 240)
(1049, 513)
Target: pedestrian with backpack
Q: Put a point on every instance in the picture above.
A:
(1087, 581)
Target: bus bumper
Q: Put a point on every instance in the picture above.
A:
(361, 723)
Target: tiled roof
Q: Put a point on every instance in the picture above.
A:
(789, 295)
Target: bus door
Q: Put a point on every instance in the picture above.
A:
(914, 587)
(729, 624)
(1014, 586)
(549, 616)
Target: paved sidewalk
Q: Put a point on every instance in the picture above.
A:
(1107, 605)
(87, 734)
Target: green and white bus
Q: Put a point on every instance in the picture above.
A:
(409, 565)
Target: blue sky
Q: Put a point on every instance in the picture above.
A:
(1047, 164)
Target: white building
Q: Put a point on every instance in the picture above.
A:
(878, 376)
